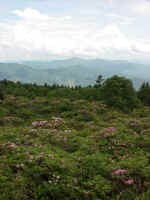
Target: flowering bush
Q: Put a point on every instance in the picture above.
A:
(84, 151)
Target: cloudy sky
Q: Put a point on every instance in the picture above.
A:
(46, 29)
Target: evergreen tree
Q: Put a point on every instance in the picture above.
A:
(119, 92)
(1, 94)
(99, 81)
(144, 93)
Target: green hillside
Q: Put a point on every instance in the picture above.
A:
(74, 143)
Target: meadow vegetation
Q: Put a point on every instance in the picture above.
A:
(61, 143)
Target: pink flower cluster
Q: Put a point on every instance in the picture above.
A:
(6, 118)
(33, 131)
(122, 172)
(56, 122)
(20, 165)
(119, 171)
(57, 119)
(30, 157)
(12, 145)
(67, 131)
(128, 182)
(51, 156)
(65, 139)
(39, 123)
(109, 131)
(62, 161)
(95, 137)
(134, 122)
(106, 135)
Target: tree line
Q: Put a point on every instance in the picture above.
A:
(116, 91)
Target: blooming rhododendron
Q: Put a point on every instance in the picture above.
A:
(119, 171)
(62, 161)
(51, 156)
(110, 129)
(129, 182)
(39, 123)
(12, 145)
(34, 123)
(20, 165)
(106, 135)
(65, 139)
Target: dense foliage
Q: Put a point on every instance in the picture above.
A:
(119, 92)
(66, 143)
(144, 93)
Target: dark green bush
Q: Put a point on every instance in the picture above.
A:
(144, 93)
(1, 94)
(119, 92)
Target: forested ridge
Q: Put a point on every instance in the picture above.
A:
(74, 71)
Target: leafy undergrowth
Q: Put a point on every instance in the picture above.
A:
(72, 150)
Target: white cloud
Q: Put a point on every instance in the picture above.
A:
(120, 19)
(129, 7)
(39, 36)
(30, 14)
(142, 47)
(142, 8)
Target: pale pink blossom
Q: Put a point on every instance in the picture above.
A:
(106, 135)
(42, 123)
(110, 129)
(31, 157)
(12, 145)
(119, 171)
(34, 123)
(129, 182)
(65, 139)
(22, 165)
(62, 161)
(51, 156)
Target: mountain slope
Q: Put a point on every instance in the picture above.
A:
(75, 71)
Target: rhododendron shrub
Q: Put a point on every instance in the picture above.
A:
(82, 149)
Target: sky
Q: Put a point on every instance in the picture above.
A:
(46, 29)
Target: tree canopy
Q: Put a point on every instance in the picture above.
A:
(119, 92)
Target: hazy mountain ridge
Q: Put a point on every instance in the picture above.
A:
(75, 71)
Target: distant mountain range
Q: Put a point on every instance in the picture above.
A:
(75, 71)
